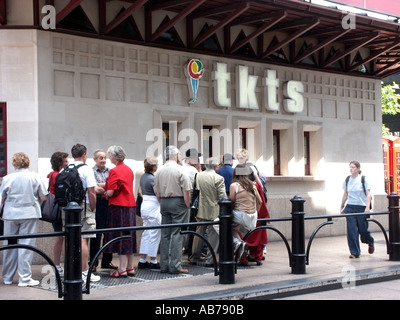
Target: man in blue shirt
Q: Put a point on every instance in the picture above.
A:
(227, 170)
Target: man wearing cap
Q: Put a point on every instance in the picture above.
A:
(192, 162)
(191, 166)
(227, 170)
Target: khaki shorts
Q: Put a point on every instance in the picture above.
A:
(88, 221)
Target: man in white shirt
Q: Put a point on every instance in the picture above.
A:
(88, 219)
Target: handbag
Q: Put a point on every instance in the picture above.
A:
(51, 211)
(139, 200)
(194, 205)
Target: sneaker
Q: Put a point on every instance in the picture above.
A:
(60, 270)
(154, 265)
(144, 265)
(93, 277)
(7, 282)
(30, 283)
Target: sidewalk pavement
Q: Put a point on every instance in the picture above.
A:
(329, 267)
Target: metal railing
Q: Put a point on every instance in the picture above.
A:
(226, 267)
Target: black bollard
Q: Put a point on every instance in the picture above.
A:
(394, 227)
(298, 260)
(73, 253)
(226, 261)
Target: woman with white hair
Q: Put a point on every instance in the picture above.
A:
(122, 204)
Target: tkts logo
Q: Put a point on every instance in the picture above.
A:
(195, 71)
(246, 85)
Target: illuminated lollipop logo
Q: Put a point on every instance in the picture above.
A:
(195, 71)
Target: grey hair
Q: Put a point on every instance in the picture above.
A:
(117, 153)
(210, 163)
(170, 151)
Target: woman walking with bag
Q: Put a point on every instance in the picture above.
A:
(357, 200)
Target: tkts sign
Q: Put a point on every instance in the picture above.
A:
(246, 86)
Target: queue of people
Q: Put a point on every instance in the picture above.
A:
(110, 203)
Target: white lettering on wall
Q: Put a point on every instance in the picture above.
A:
(271, 86)
(293, 92)
(246, 88)
(221, 77)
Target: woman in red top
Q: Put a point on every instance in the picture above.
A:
(58, 160)
(122, 207)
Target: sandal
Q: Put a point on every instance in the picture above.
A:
(131, 272)
(118, 274)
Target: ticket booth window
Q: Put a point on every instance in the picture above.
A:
(307, 170)
(277, 152)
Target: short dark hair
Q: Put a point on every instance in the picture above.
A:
(149, 164)
(57, 159)
(78, 150)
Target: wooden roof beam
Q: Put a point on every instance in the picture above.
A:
(180, 16)
(67, 9)
(3, 12)
(388, 66)
(135, 6)
(321, 45)
(238, 10)
(375, 55)
(267, 25)
(353, 48)
(292, 37)
(389, 73)
(165, 4)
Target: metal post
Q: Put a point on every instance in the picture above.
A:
(226, 261)
(394, 227)
(73, 252)
(298, 260)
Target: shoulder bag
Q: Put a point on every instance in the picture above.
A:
(51, 211)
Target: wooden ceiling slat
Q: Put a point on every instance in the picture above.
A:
(135, 6)
(267, 25)
(67, 9)
(238, 10)
(294, 36)
(375, 55)
(179, 17)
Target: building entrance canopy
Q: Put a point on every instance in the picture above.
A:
(288, 32)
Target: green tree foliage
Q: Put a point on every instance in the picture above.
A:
(390, 103)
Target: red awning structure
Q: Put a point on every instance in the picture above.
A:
(289, 32)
